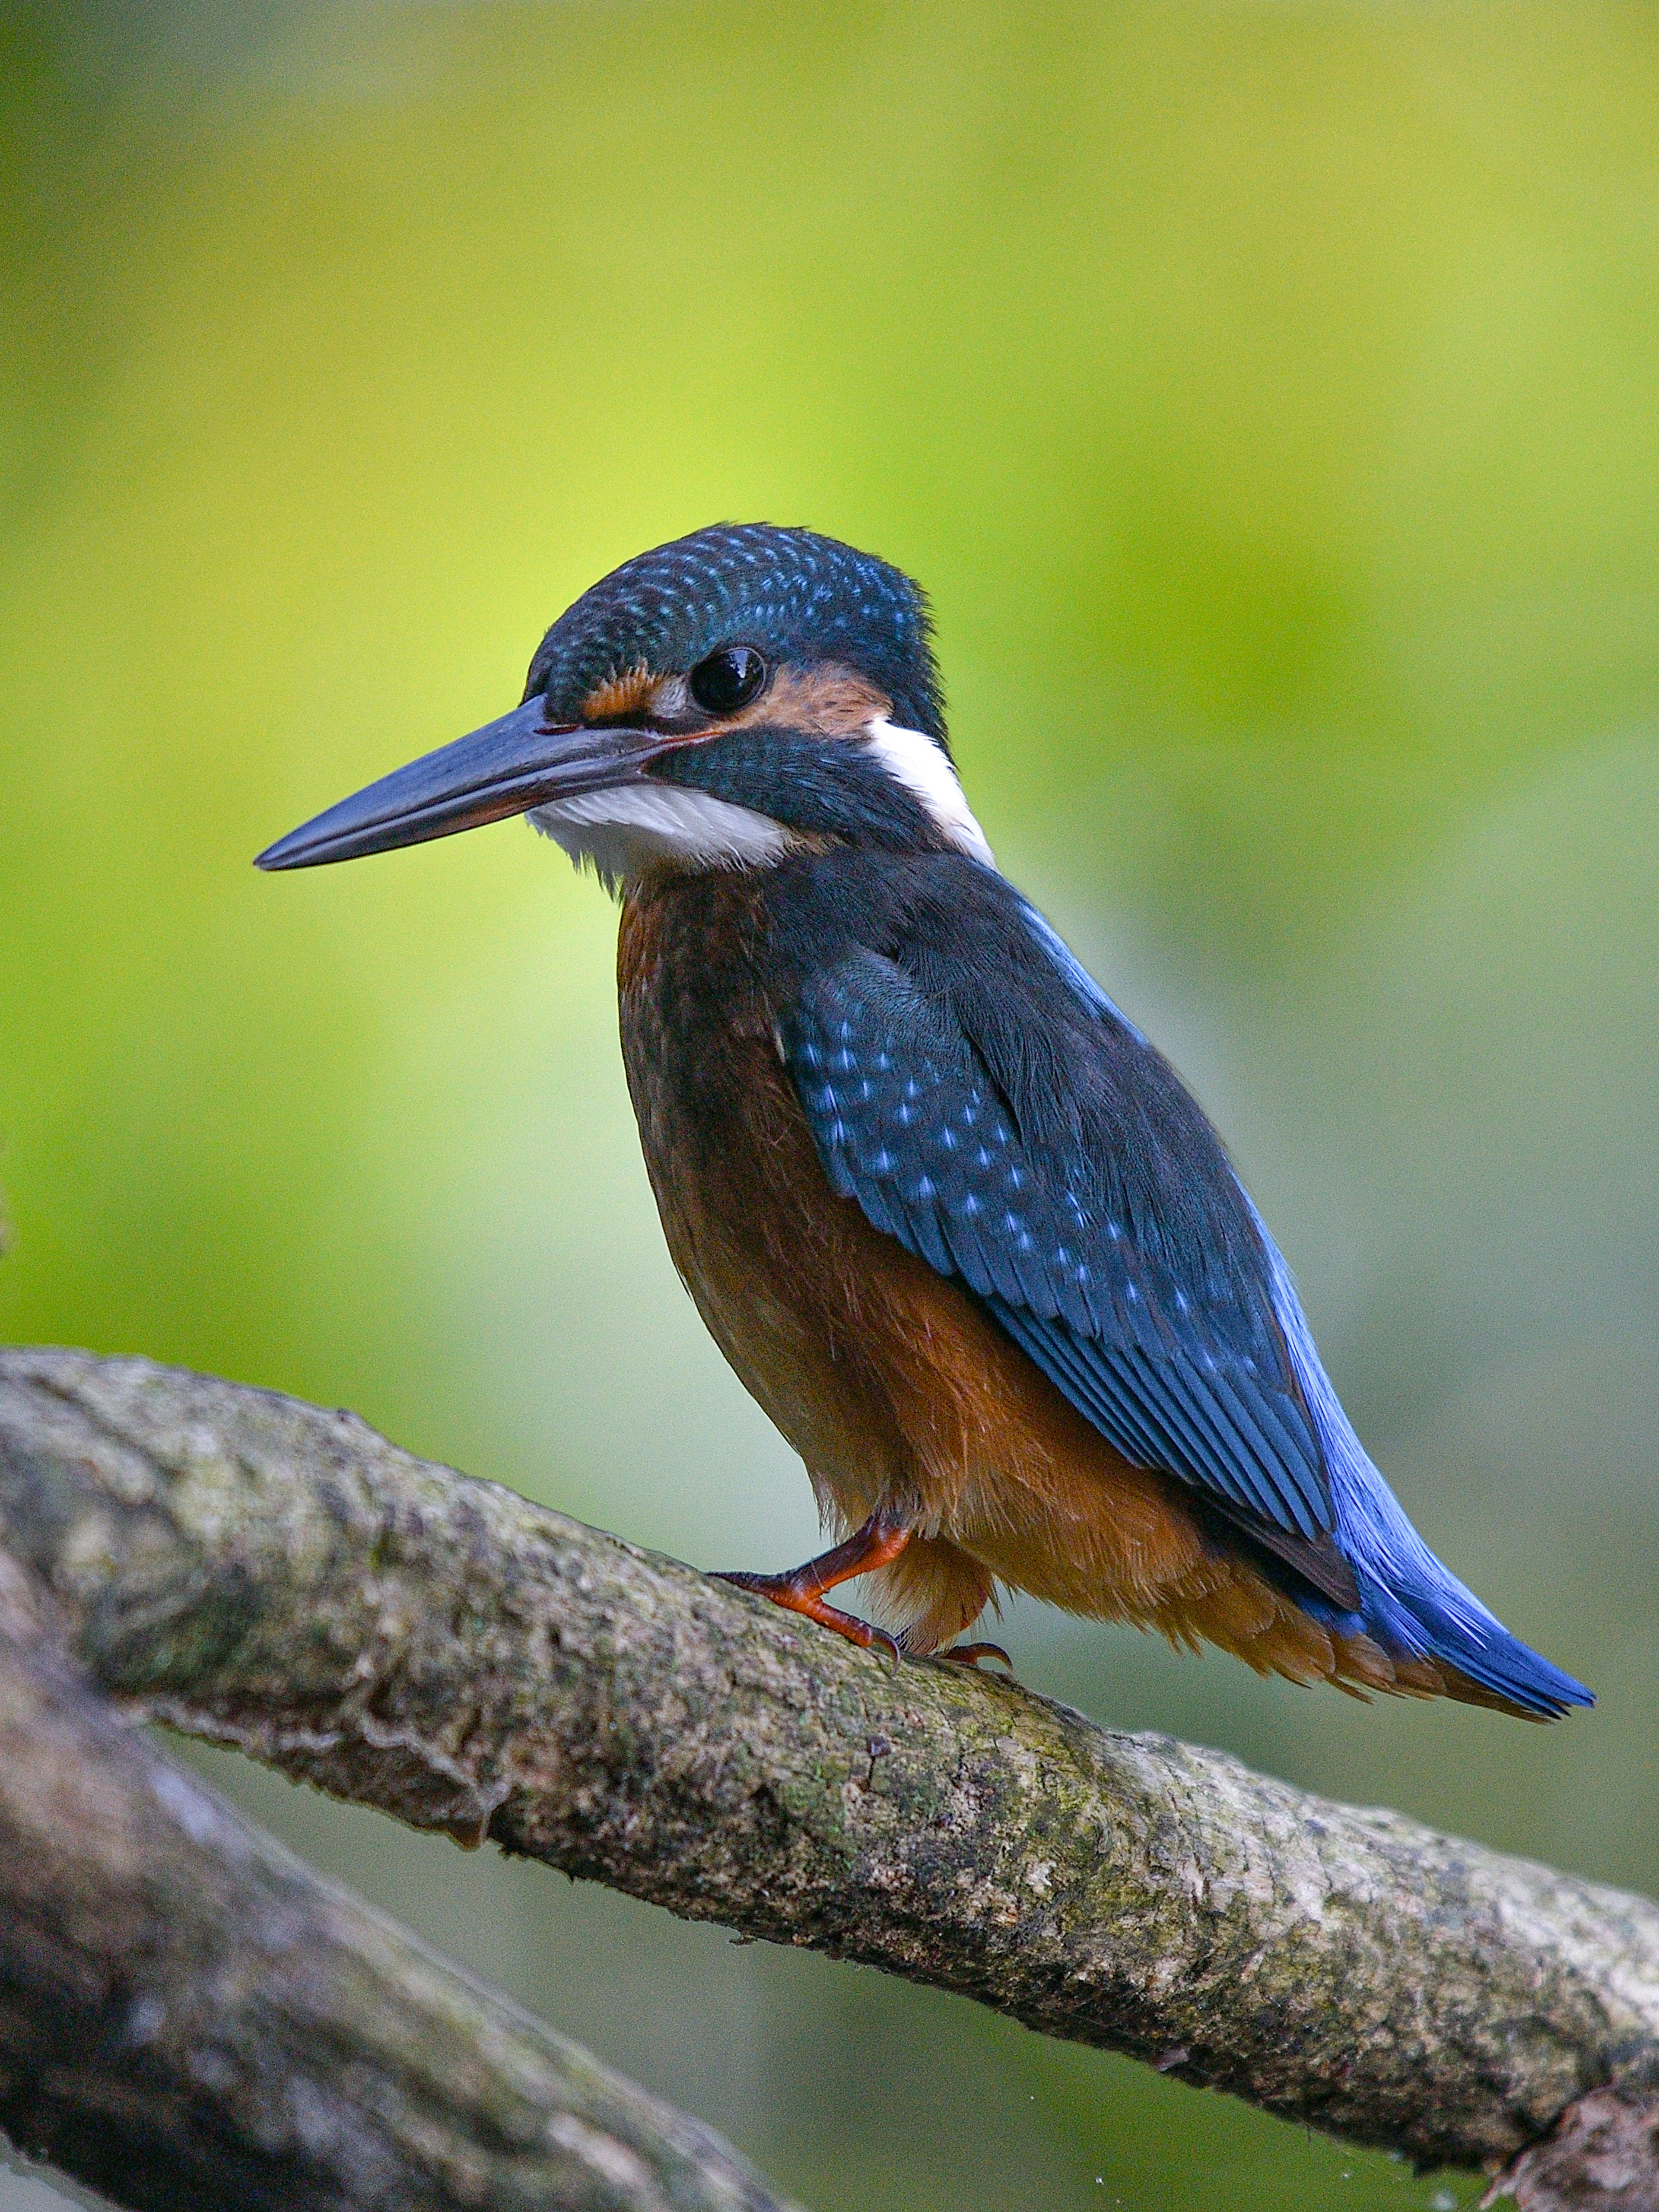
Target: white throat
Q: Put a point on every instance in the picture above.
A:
(626, 834)
(623, 835)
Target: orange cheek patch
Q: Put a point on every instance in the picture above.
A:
(828, 702)
(620, 695)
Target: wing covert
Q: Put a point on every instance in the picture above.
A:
(1168, 1360)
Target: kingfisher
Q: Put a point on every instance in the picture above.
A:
(957, 1225)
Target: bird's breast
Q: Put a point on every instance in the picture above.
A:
(760, 1241)
(696, 1013)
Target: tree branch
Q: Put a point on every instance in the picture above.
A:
(256, 1570)
(189, 2018)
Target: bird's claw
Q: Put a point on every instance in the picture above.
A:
(970, 1654)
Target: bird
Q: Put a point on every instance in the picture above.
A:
(957, 1225)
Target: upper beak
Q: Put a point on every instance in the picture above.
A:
(506, 768)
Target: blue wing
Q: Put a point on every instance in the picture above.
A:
(984, 1104)
(975, 1090)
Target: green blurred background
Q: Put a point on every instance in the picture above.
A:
(1269, 397)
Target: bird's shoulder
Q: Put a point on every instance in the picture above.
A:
(962, 969)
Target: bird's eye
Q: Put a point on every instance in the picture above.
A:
(728, 679)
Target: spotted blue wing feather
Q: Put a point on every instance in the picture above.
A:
(1175, 1368)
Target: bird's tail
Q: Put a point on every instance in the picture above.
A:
(1423, 1612)
(1410, 1604)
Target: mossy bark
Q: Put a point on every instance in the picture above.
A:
(190, 2018)
(256, 1570)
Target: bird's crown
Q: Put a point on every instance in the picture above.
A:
(795, 597)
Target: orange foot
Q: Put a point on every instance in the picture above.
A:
(802, 1589)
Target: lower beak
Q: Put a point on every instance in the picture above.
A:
(506, 768)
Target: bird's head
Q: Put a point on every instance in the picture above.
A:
(734, 696)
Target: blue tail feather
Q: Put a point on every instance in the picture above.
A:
(1410, 1604)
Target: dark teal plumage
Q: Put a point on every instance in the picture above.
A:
(797, 597)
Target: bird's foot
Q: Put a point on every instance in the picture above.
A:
(783, 1590)
(970, 1654)
(875, 1545)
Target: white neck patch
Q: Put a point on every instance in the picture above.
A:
(912, 758)
(622, 834)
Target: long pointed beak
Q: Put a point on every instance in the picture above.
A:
(506, 768)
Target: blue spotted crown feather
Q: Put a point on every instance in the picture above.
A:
(799, 598)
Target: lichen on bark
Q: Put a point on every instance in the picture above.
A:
(268, 1575)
